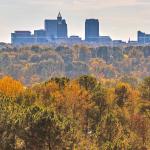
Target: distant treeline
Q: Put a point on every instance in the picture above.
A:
(32, 64)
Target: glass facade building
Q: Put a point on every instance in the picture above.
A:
(92, 30)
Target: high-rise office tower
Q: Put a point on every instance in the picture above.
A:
(56, 28)
(61, 27)
(51, 29)
(91, 30)
(143, 38)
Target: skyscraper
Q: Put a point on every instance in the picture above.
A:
(51, 29)
(92, 30)
(56, 29)
(61, 27)
(143, 38)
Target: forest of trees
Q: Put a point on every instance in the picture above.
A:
(78, 97)
(35, 64)
(84, 113)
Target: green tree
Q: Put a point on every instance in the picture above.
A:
(145, 89)
(99, 99)
(122, 92)
(88, 82)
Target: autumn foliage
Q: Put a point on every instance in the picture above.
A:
(10, 87)
(75, 114)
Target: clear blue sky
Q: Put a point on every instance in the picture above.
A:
(118, 18)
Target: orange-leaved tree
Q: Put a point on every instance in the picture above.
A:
(10, 87)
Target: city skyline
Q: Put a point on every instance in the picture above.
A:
(56, 31)
(118, 19)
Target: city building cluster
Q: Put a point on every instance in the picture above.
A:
(56, 31)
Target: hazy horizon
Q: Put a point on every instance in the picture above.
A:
(119, 19)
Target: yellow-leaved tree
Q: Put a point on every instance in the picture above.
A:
(10, 87)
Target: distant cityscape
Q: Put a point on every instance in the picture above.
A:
(56, 31)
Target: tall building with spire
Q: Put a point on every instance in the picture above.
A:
(61, 27)
(56, 29)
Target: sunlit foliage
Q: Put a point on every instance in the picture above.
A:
(83, 113)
